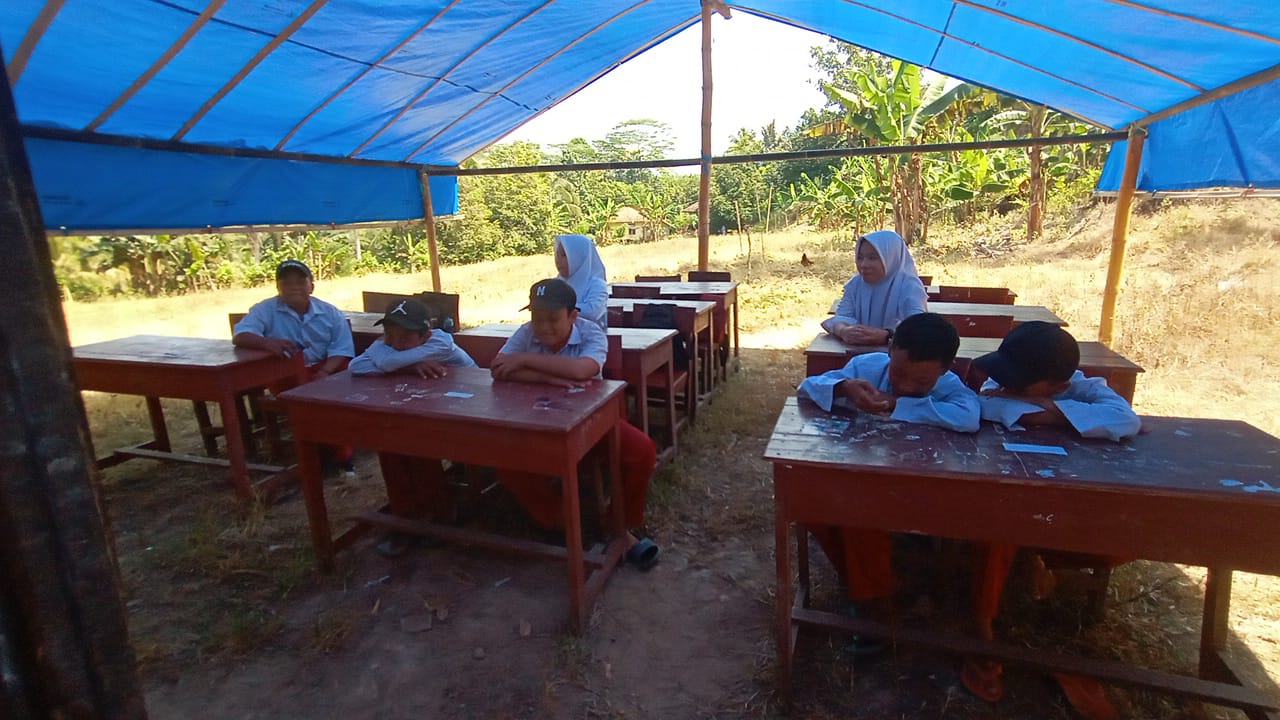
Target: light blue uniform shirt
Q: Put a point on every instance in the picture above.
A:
(322, 331)
(381, 358)
(950, 404)
(1092, 408)
(586, 339)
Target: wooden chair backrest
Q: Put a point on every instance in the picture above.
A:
(966, 293)
(684, 317)
(612, 369)
(234, 318)
(481, 348)
(984, 326)
(617, 317)
(446, 303)
(658, 278)
(927, 280)
(627, 291)
(710, 276)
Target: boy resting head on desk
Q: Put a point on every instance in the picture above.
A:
(293, 321)
(559, 348)
(912, 382)
(409, 345)
(1034, 379)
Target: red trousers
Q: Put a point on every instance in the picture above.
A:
(416, 487)
(540, 496)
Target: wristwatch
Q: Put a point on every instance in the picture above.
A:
(888, 337)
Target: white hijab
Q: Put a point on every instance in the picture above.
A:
(586, 275)
(878, 305)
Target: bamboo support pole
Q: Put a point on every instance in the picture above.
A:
(429, 217)
(1120, 234)
(704, 176)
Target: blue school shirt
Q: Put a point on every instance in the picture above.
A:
(1092, 408)
(381, 358)
(322, 331)
(950, 404)
(586, 339)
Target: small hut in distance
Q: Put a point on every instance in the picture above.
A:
(630, 225)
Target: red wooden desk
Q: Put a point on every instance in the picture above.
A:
(1199, 492)
(701, 327)
(156, 366)
(644, 351)
(826, 352)
(518, 426)
(363, 330)
(1020, 313)
(694, 291)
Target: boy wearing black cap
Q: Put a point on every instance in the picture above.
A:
(293, 321)
(558, 347)
(408, 345)
(1034, 379)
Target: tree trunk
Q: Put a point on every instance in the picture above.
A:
(909, 209)
(1036, 191)
(355, 236)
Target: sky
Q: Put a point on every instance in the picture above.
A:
(761, 72)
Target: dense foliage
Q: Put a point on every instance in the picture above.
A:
(874, 101)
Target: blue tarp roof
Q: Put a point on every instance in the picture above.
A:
(434, 81)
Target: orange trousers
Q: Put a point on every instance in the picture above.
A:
(540, 496)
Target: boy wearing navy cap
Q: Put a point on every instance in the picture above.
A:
(558, 347)
(408, 345)
(294, 321)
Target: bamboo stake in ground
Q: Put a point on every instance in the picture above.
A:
(1120, 233)
(430, 218)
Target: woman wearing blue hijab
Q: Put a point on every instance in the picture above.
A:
(579, 265)
(884, 292)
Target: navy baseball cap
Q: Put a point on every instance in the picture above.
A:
(408, 314)
(1031, 352)
(551, 294)
(292, 264)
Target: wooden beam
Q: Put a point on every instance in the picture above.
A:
(64, 644)
(1120, 234)
(158, 65)
(1197, 20)
(428, 215)
(1217, 93)
(704, 176)
(18, 62)
(254, 61)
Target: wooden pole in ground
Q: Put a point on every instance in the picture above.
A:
(64, 646)
(1120, 233)
(430, 217)
(704, 177)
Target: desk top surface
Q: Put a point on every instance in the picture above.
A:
(684, 288)
(1092, 353)
(632, 338)
(163, 350)
(628, 303)
(1226, 458)
(465, 394)
(1020, 313)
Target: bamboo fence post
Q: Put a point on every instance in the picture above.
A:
(430, 217)
(704, 176)
(1120, 233)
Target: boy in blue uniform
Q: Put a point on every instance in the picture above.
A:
(294, 321)
(409, 345)
(557, 346)
(1034, 379)
(911, 383)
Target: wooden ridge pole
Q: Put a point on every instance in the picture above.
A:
(1120, 233)
(429, 216)
(704, 176)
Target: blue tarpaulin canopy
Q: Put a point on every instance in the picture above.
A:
(180, 113)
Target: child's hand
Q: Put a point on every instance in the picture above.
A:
(862, 335)
(504, 365)
(866, 397)
(428, 369)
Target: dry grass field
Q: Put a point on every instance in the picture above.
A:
(225, 609)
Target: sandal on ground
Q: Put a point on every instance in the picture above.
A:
(393, 544)
(862, 645)
(983, 678)
(644, 554)
(1087, 696)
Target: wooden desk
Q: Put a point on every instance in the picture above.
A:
(155, 366)
(363, 330)
(644, 351)
(1190, 491)
(826, 352)
(1020, 313)
(694, 291)
(702, 319)
(518, 426)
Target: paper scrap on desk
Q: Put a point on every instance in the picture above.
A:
(1031, 448)
(456, 394)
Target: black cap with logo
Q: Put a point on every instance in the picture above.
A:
(408, 313)
(1031, 352)
(551, 294)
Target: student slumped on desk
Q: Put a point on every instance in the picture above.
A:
(1033, 380)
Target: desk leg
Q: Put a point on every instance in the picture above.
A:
(158, 429)
(671, 403)
(695, 387)
(313, 496)
(642, 395)
(205, 423)
(235, 444)
(1215, 624)
(736, 345)
(783, 597)
(573, 545)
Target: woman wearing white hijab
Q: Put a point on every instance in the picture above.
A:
(579, 265)
(885, 290)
